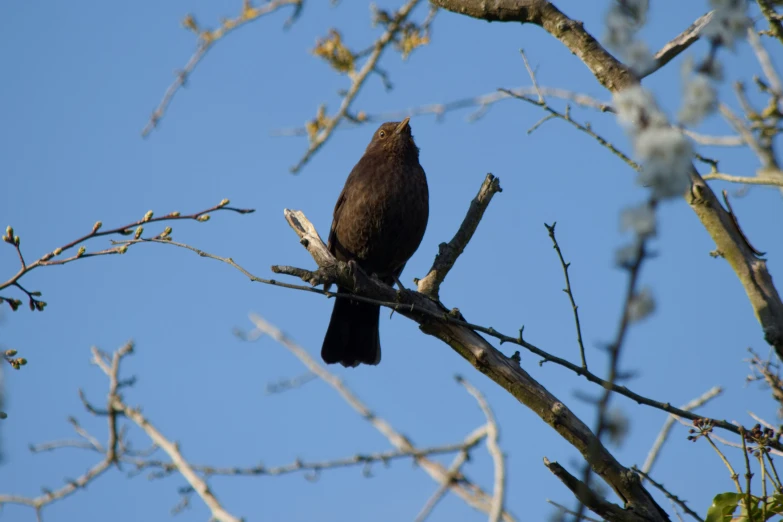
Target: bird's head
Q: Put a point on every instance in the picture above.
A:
(395, 137)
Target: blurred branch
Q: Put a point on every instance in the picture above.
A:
(770, 373)
(135, 228)
(493, 434)
(775, 26)
(357, 81)
(614, 349)
(49, 496)
(746, 180)
(453, 474)
(316, 467)
(111, 451)
(206, 39)
(679, 43)
(289, 384)
(470, 493)
(171, 448)
(771, 74)
(566, 511)
(663, 435)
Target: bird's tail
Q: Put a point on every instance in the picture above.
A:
(352, 337)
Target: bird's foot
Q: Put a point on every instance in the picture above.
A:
(355, 271)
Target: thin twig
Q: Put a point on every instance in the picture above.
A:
(316, 466)
(732, 473)
(206, 39)
(569, 291)
(583, 128)
(357, 81)
(671, 496)
(668, 424)
(482, 102)
(137, 226)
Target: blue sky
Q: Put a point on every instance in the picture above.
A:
(79, 82)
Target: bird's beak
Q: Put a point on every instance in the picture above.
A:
(403, 125)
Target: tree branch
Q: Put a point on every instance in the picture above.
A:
(615, 76)
(171, 449)
(357, 81)
(593, 502)
(484, 357)
(493, 435)
(208, 38)
(448, 253)
(470, 493)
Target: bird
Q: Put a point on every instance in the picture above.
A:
(379, 221)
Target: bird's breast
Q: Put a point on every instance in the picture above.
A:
(384, 216)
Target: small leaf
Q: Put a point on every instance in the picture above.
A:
(723, 507)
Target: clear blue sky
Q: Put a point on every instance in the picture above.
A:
(79, 82)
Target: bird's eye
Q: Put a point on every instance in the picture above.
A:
(382, 134)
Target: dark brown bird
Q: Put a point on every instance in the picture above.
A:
(379, 221)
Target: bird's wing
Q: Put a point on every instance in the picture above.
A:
(335, 218)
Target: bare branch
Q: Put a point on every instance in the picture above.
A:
(171, 449)
(357, 81)
(765, 62)
(421, 309)
(615, 76)
(671, 496)
(482, 103)
(471, 494)
(503, 370)
(680, 43)
(49, 259)
(769, 179)
(111, 455)
(206, 39)
(663, 435)
(316, 467)
(452, 474)
(493, 447)
(449, 252)
(714, 141)
(586, 128)
(569, 292)
(69, 488)
(588, 498)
